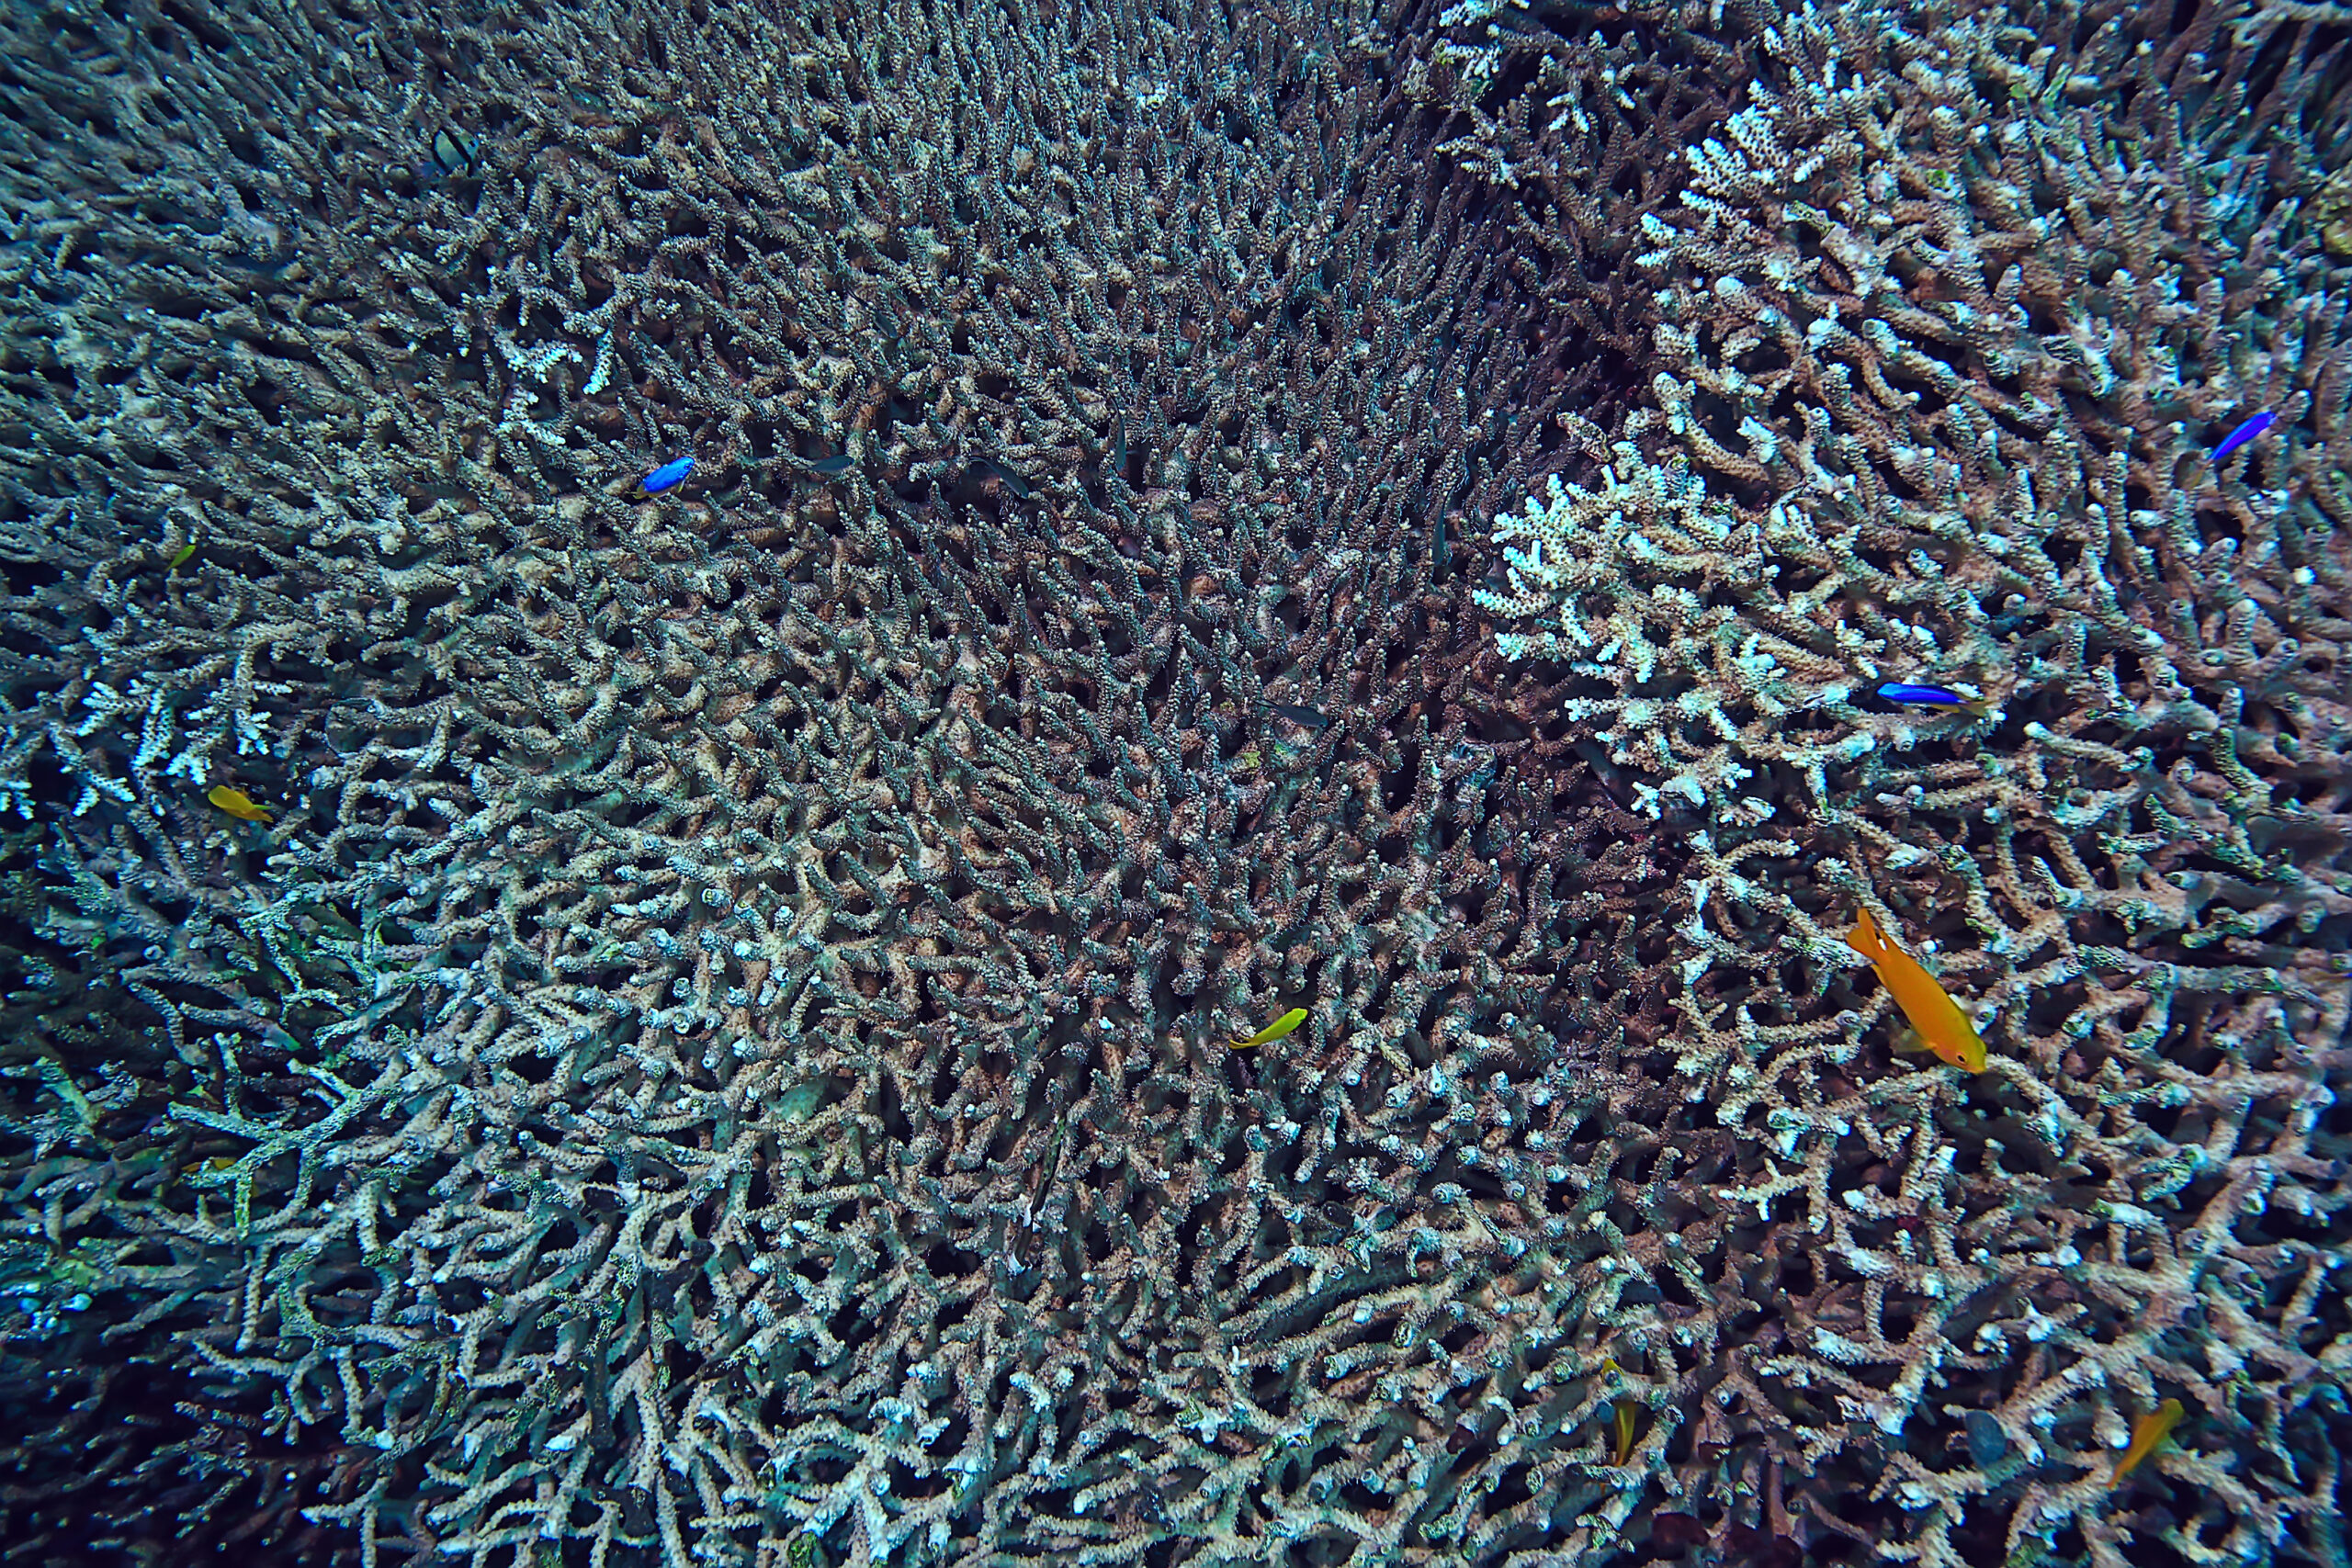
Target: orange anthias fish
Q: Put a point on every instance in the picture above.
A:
(1942, 1027)
(2146, 1433)
(237, 804)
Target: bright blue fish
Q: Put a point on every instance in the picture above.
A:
(668, 474)
(1929, 696)
(2244, 433)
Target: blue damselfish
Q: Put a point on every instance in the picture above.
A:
(1933, 697)
(2244, 433)
(668, 474)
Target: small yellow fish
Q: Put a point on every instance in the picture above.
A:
(1942, 1027)
(1623, 1418)
(182, 556)
(2146, 1433)
(237, 804)
(1273, 1030)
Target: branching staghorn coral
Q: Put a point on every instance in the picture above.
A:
(722, 1042)
(1941, 348)
(1586, 146)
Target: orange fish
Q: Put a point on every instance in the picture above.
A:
(1942, 1027)
(2146, 1433)
(237, 804)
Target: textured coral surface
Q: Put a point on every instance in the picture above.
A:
(719, 1052)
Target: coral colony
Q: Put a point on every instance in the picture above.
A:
(1057, 783)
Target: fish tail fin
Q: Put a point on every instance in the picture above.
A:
(1866, 938)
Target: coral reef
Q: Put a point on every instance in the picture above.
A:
(724, 1033)
(720, 1049)
(1943, 337)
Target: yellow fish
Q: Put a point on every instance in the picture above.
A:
(1622, 1416)
(237, 804)
(1941, 1026)
(2146, 1433)
(1273, 1030)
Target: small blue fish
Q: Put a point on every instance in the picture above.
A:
(667, 475)
(1930, 696)
(1986, 1441)
(1305, 718)
(2244, 433)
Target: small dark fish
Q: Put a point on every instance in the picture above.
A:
(454, 150)
(667, 475)
(259, 268)
(1006, 476)
(1929, 696)
(1986, 1441)
(2244, 433)
(1305, 718)
(840, 465)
